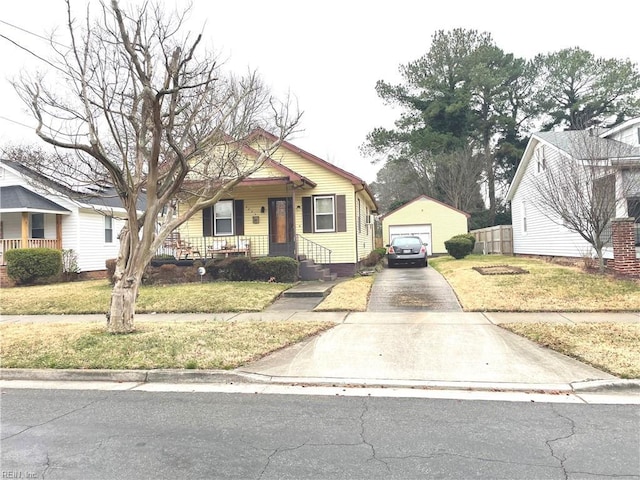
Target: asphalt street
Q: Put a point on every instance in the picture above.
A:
(84, 434)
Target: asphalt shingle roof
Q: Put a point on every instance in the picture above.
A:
(19, 198)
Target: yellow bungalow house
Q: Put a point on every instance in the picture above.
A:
(433, 221)
(295, 205)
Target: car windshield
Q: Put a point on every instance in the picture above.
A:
(407, 242)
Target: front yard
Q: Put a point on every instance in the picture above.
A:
(547, 287)
(217, 344)
(93, 297)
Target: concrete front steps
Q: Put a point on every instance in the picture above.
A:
(309, 270)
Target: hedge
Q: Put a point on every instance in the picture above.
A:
(26, 265)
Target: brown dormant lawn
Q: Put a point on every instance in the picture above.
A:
(612, 347)
(551, 287)
(348, 296)
(93, 297)
(154, 345)
(547, 287)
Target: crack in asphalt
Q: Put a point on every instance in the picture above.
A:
(70, 412)
(363, 441)
(365, 410)
(549, 442)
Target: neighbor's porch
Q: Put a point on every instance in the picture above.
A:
(29, 230)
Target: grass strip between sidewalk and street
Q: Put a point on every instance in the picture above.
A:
(154, 345)
(612, 347)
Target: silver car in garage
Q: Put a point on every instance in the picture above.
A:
(407, 251)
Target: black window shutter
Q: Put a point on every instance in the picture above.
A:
(238, 213)
(207, 223)
(341, 213)
(307, 215)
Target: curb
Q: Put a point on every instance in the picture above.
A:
(237, 376)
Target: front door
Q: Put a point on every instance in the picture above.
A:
(281, 227)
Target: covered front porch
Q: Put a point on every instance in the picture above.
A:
(253, 246)
(29, 220)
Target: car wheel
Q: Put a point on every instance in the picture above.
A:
(390, 264)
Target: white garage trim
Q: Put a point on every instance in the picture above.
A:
(421, 230)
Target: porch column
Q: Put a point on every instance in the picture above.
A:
(25, 230)
(59, 231)
(621, 201)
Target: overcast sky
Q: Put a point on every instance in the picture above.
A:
(329, 54)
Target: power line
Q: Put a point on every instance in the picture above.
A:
(16, 122)
(33, 53)
(32, 33)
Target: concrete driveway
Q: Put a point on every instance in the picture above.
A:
(415, 331)
(411, 289)
(442, 347)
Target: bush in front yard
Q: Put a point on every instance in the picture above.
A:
(374, 257)
(26, 265)
(459, 246)
(239, 269)
(282, 269)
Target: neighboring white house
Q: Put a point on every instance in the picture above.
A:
(535, 231)
(35, 212)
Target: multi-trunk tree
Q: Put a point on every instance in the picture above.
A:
(146, 109)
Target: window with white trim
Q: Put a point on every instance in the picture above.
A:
(324, 214)
(223, 218)
(524, 217)
(108, 229)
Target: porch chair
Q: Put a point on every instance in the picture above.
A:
(184, 248)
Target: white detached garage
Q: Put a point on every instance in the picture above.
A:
(433, 221)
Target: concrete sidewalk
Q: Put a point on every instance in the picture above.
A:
(495, 318)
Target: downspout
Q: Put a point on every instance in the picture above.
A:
(355, 202)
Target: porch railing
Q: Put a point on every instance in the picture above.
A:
(7, 244)
(313, 251)
(213, 247)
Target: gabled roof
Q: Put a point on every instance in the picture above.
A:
(565, 143)
(424, 197)
(16, 198)
(355, 180)
(623, 126)
(105, 197)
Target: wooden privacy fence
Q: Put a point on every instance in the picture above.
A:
(498, 239)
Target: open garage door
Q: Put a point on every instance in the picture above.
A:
(423, 231)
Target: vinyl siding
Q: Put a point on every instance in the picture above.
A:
(346, 247)
(91, 248)
(445, 221)
(543, 236)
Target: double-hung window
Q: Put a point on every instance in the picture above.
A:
(223, 218)
(324, 213)
(108, 229)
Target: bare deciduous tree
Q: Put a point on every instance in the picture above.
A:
(145, 112)
(583, 189)
(457, 177)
